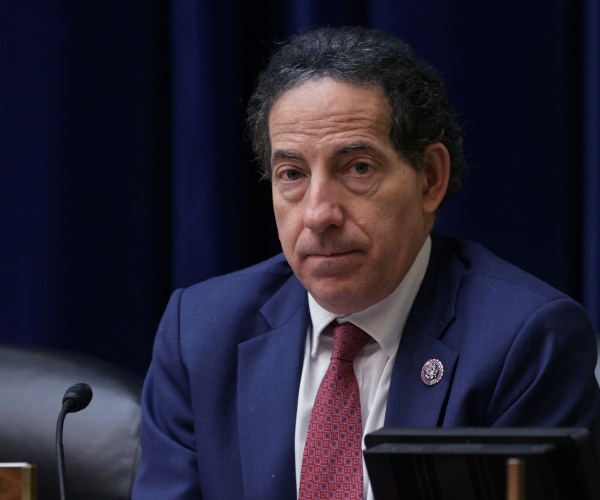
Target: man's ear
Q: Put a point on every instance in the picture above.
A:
(436, 165)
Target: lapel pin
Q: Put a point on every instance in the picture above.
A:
(432, 372)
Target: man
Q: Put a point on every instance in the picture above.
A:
(362, 149)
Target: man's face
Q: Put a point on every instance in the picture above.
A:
(351, 213)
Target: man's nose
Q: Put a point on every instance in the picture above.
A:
(323, 208)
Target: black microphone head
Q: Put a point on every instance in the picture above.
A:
(77, 397)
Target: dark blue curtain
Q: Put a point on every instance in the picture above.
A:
(84, 180)
(591, 159)
(124, 172)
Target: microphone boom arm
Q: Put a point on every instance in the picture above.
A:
(75, 399)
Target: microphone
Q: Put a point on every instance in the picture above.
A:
(76, 398)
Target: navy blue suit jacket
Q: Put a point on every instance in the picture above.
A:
(219, 401)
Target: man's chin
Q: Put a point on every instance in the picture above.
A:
(335, 294)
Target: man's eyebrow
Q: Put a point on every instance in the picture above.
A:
(351, 148)
(281, 154)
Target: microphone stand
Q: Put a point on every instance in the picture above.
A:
(60, 454)
(75, 399)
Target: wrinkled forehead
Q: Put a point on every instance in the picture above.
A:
(319, 98)
(321, 81)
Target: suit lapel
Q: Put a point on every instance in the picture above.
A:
(269, 370)
(411, 402)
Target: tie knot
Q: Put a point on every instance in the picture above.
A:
(348, 340)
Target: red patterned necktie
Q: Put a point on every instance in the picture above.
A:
(332, 465)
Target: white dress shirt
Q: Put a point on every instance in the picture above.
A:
(384, 322)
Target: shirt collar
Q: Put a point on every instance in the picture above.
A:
(385, 320)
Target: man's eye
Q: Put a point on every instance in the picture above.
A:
(290, 175)
(361, 168)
